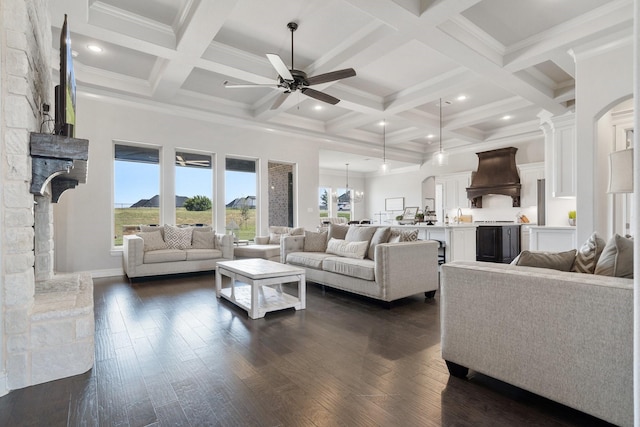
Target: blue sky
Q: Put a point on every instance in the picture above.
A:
(135, 181)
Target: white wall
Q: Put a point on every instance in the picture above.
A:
(83, 217)
(604, 78)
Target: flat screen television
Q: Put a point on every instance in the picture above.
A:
(66, 91)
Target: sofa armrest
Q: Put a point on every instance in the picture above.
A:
(406, 268)
(261, 240)
(290, 244)
(224, 242)
(132, 253)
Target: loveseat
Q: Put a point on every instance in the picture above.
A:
(159, 250)
(567, 336)
(267, 247)
(376, 262)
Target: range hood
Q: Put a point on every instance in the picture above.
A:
(497, 174)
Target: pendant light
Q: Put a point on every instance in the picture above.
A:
(384, 167)
(357, 195)
(440, 158)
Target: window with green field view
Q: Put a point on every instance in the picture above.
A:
(324, 201)
(194, 188)
(136, 190)
(240, 197)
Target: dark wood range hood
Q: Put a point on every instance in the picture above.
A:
(497, 174)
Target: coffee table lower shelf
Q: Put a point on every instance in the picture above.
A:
(269, 299)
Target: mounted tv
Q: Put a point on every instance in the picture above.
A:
(66, 91)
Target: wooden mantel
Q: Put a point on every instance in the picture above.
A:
(61, 160)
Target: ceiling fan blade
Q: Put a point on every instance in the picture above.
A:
(320, 96)
(280, 67)
(279, 100)
(243, 86)
(332, 76)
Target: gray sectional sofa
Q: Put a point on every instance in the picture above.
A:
(566, 336)
(385, 271)
(154, 252)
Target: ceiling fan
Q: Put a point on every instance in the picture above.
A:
(291, 79)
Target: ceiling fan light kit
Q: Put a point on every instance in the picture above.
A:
(292, 80)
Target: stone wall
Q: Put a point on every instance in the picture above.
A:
(58, 320)
(279, 194)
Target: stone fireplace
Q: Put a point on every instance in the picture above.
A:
(46, 320)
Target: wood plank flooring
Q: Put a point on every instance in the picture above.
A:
(168, 353)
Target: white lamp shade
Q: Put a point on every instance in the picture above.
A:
(621, 171)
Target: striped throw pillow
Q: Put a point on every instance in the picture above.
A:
(588, 254)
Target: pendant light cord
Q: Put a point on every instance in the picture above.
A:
(440, 123)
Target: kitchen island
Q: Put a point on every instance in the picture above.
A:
(459, 240)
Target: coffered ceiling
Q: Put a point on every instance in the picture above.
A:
(506, 57)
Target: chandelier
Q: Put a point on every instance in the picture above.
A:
(354, 196)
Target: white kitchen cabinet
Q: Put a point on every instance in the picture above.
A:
(454, 190)
(560, 134)
(530, 173)
(459, 240)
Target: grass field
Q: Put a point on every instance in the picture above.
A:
(137, 216)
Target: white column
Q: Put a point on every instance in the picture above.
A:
(636, 209)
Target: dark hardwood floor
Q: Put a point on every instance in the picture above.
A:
(169, 353)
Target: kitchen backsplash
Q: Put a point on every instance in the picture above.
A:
(496, 208)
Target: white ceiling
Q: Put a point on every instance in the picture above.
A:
(507, 57)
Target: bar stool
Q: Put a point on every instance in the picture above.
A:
(441, 252)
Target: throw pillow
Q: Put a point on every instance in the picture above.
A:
(177, 237)
(315, 241)
(274, 238)
(152, 240)
(402, 236)
(337, 231)
(617, 258)
(588, 254)
(380, 236)
(148, 228)
(347, 249)
(360, 234)
(299, 231)
(562, 261)
(203, 240)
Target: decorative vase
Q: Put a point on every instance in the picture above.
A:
(572, 221)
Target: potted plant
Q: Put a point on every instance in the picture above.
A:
(572, 217)
(419, 217)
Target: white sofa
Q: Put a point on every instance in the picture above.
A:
(563, 335)
(138, 262)
(389, 271)
(266, 247)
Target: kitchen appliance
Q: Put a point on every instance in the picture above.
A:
(542, 207)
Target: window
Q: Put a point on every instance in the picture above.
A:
(194, 188)
(344, 203)
(240, 198)
(324, 201)
(136, 190)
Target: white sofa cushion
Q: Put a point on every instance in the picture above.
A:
(360, 268)
(616, 258)
(343, 248)
(380, 236)
(152, 240)
(199, 254)
(203, 239)
(307, 259)
(164, 255)
(177, 237)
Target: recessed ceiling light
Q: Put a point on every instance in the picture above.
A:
(94, 48)
(74, 53)
(431, 136)
(318, 107)
(506, 117)
(382, 123)
(269, 130)
(462, 97)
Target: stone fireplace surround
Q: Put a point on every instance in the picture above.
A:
(46, 320)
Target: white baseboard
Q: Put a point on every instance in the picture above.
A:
(112, 272)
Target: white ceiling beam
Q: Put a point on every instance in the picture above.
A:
(480, 114)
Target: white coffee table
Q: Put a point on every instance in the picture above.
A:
(259, 274)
